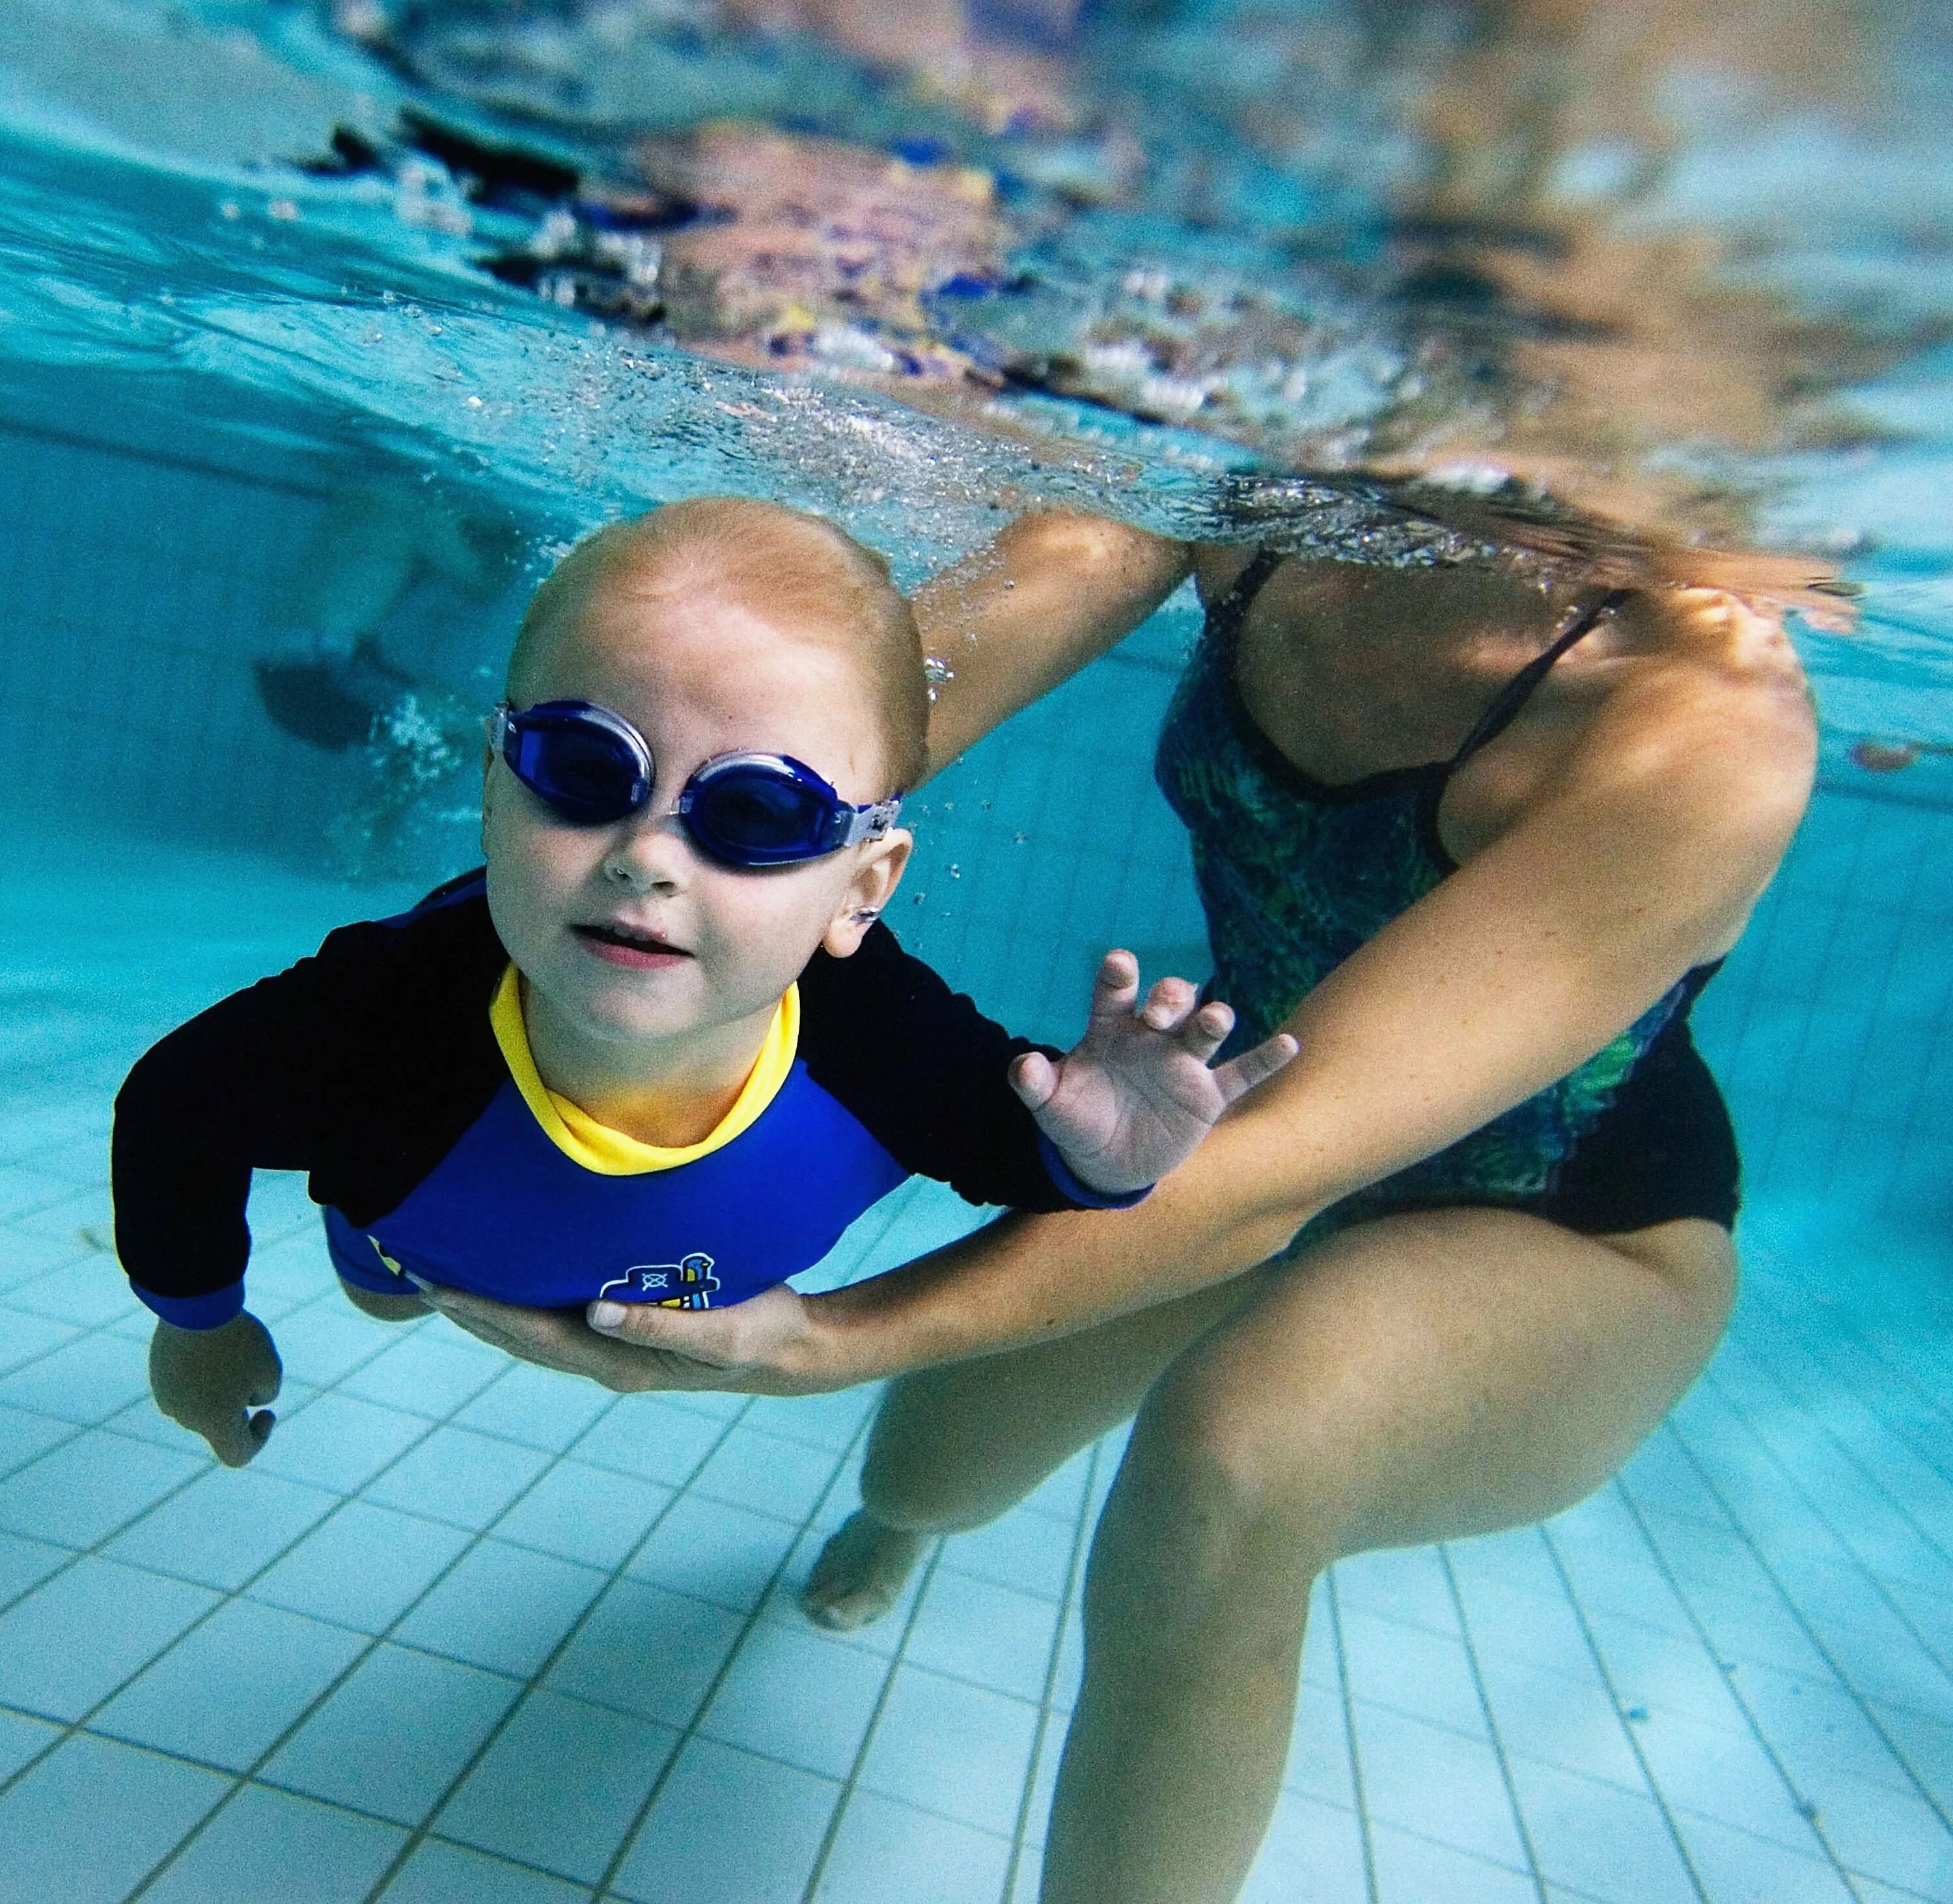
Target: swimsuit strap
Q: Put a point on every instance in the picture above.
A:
(1505, 708)
(1225, 617)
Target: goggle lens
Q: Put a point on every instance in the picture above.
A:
(752, 815)
(588, 774)
(746, 811)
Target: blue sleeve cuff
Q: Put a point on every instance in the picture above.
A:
(1069, 1184)
(211, 1311)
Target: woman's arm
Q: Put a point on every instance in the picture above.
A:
(1053, 592)
(1641, 858)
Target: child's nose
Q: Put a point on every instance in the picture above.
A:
(650, 853)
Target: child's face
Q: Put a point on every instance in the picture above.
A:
(697, 677)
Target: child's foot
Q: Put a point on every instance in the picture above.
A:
(861, 1574)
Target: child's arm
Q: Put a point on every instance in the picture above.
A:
(1133, 1099)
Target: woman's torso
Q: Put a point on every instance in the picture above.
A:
(1428, 749)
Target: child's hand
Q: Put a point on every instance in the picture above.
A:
(209, 1379)
(1134, 1097)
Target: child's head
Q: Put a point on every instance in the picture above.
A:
(713, 627)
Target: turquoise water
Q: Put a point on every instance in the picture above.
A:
(458, 1635)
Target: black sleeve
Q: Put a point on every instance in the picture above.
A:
(361, 1065)
(928, 1075)
(245, 1085)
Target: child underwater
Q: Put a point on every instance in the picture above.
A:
(659, 1049)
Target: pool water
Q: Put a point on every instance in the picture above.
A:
(470, 1631)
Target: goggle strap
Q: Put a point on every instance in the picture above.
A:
(871, 823)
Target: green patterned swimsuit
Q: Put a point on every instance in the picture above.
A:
(1295, 874)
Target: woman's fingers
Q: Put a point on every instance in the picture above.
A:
(1241, 1075)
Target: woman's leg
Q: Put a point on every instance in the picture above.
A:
(953, 1447)
(1414, 1379)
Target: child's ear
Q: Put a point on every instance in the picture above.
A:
(869, 892)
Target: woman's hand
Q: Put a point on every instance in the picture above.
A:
(1134, 1097)
(765, 1345)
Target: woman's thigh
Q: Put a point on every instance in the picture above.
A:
(1423, 1376)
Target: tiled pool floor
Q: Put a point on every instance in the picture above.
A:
(468, 1632)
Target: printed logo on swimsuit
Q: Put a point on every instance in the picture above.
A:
(686, 1284)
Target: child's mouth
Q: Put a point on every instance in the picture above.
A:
(641, 951)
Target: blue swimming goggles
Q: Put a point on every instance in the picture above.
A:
(748, 810)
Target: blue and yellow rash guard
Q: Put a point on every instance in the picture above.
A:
(392, 1067)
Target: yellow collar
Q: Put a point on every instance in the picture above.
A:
(583, 1140)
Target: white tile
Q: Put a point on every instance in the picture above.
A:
(224, 1527)
(797, 1697)
(363, 1568)
(990, 1634)
(80, 1492)
(948, 1747)
(152, 1800)
(1663, 1672)
(827, 1421)
(432, 1371)
(267, 1847)
(885, 1849)
(647, 1651)
(1411, 1870)
(1595, 1837)
(1893, 1836)
(24, 1337)
(128, 1616)
(457, 1476)
(226, 1692)
(507, 1608)
(325, 1342)
(766, 1474)
(539, 1407)
(1435, 1783)
(1737, 1868)
(337, 1442)
(1412, 1670)
(726, 1555)
(1406, 1584)
(25, 1436)
(1029, 1552)
(446, 1874)
(729, 1828)
(560, 1786)
(1569, 1723)
(88, 1292)
(1313, 1854)
(394, 1736)
(595, 1516)
(1726, 1776)
(642, 1436)
(1318, 1752)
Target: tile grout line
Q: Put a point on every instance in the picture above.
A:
(1818, 1645)
(94, 1551)
(1870, 1486)
(1620, 1710)
(417, 1835)
(372, 1642)
(689, 1731)
(851, 1783)
(1492, 1724)
(1866, 1478)
(1081, 1548)
(1659, 1561)
(1365, 1834)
